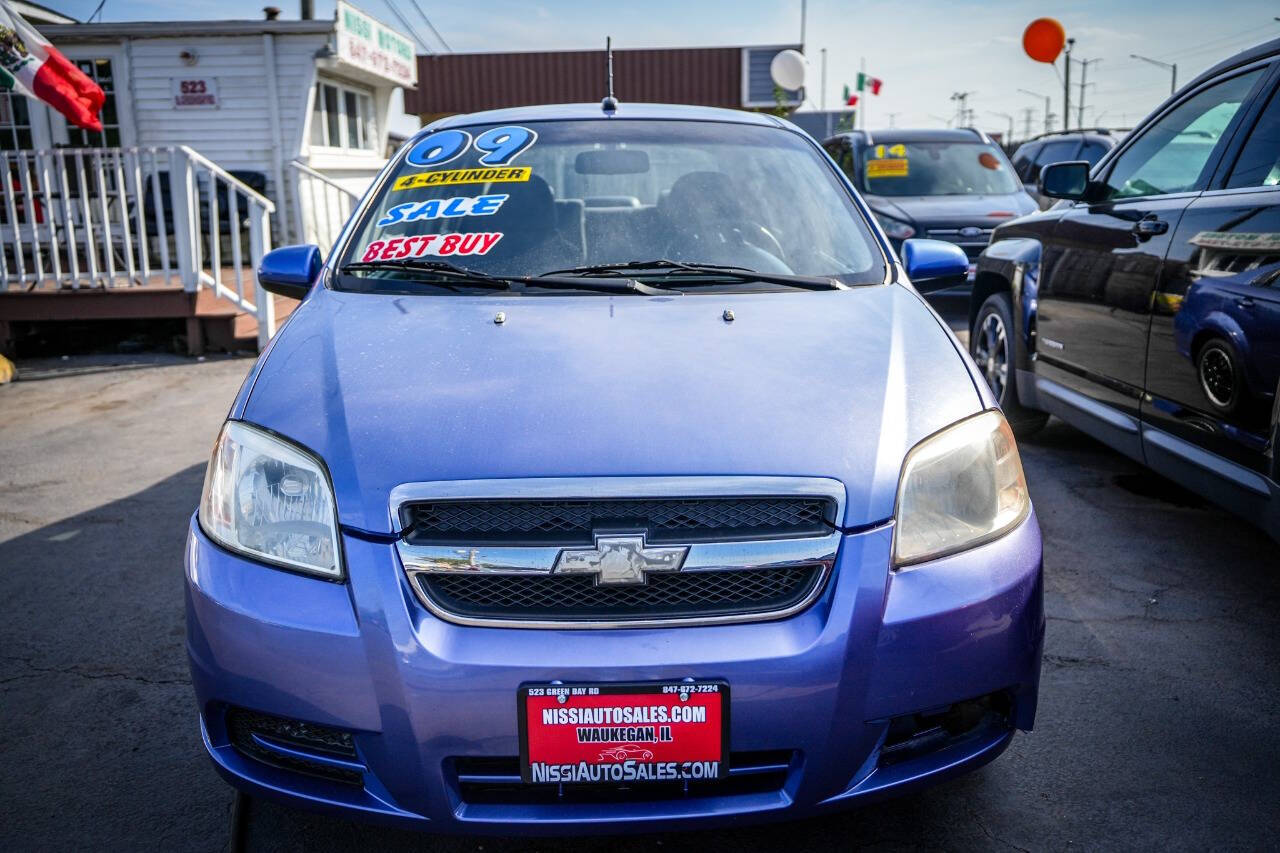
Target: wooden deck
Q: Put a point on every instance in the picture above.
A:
(212, 322)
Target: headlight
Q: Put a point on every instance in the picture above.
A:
(959, 488)
(895, 228)
(269, 500)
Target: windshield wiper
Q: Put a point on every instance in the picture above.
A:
(717, 271)
(463, 275)
(442, 268)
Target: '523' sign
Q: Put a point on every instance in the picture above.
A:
(497, 146)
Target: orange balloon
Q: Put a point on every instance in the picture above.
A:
(1043, 39)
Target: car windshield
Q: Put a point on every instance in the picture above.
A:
(554, 196)
(936, 168)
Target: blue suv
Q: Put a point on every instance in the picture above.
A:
(952, 185)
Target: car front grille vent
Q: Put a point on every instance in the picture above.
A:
(294, 745)
(567, 597)
(573, 522)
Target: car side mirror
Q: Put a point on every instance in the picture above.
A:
(1065, 180)
(290, 270)
(934, 264)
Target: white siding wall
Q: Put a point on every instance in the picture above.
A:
(238, 134)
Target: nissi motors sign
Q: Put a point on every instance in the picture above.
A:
(370, 46)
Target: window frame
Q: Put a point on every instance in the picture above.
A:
(1212, 169)
(1268, 91)
(11, 130)
(364, 98)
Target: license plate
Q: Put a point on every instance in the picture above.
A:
(623, 733)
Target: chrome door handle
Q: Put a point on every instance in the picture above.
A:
(1150, 227)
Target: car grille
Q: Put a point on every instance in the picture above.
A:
(573, 522)
(565, 597)
(972, 246)
(496, 781)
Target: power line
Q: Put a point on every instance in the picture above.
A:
(413, 32)
(432, 26)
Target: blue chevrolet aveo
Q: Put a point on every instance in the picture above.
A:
(611, 475)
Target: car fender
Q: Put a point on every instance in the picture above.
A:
(1011, 266)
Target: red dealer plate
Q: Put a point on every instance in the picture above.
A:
(623, 733)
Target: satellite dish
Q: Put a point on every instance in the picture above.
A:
(788, 69)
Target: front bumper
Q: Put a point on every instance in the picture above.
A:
(420, 695)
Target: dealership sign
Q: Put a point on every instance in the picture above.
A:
(372, 47)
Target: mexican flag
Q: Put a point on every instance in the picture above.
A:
(866, 81)
(31, 66)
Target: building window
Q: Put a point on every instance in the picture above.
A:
(99, 71)
(342, 117)
(15, 122)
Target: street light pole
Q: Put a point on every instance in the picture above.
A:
(823, 97)
(1172, 66)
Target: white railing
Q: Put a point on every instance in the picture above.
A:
(75, 218)
(321, 206)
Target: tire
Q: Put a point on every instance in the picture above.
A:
(1220, 376)
(991, 345)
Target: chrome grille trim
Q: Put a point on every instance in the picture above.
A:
(462, 558)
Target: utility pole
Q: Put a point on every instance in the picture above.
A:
(1172, 66)
(963, 116)
(803, 3)
(1066, 86)
(1026, 117)
(1084, 71)
(1047, 108)
(1008, 140)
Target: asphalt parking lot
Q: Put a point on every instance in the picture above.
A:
(1159, 722)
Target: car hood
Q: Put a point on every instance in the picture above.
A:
(940, 211)
(398, 389)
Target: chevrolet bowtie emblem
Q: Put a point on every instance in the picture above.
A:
(619, 559)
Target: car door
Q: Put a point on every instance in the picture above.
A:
(1101, 262)
(1213, 361)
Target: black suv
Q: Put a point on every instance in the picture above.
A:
(1145, 310)
(1057, 147)
(953, 185)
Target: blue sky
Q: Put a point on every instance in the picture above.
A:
(924, 50)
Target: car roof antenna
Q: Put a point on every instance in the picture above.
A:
(610, 103)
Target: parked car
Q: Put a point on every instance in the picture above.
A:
(1057, 147)
(1145, 309)
(952, 185)
(524, 475)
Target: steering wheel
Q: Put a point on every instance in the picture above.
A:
(713, 241)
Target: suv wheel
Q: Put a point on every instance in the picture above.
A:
(991, 345)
